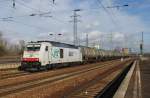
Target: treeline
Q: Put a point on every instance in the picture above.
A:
(10, 49)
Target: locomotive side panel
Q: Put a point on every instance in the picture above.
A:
(64, 55)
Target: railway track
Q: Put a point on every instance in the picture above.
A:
(6, 72)
(13, 74)
(9, 73)
(13, 88)
(42, 75)
(92, 88)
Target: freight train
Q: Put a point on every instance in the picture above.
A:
(50, 54)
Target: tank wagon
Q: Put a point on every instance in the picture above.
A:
(49, 54)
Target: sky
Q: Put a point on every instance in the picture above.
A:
(106, 25)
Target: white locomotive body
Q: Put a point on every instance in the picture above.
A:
(49, 54)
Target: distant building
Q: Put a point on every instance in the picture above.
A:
(125, 50)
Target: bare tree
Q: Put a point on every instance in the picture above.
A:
(22, 46)
(2, 45)
(10, 49)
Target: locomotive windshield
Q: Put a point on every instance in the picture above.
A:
(33, 47)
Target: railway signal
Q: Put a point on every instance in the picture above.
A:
(141, 45)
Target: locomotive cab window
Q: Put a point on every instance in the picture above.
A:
(61, 53)
(33, 47)
(46, 48)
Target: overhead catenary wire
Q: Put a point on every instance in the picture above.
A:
(41, 13)
(22, 3)
(114, 12)
(11, 19)
(100, 3)
(33, 15)
(33, 8)
(44, 14)
(59, 20)
(26, 6)
(25, 24)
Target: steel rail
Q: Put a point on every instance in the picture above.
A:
(8, 89)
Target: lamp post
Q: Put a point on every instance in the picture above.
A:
(55, 35)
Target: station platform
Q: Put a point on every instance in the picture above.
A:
(139, 82)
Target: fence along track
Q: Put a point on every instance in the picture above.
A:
(8, 89)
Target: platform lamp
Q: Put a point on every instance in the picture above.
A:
(59, 34)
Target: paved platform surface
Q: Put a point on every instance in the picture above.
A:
(139, 85)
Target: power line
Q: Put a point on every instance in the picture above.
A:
(41, 13)
(99, 2)
(91, 9)
(33, 15)
(26, 6)
(44, 14)
(59, 20)
(25, 24)
(11, 19)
